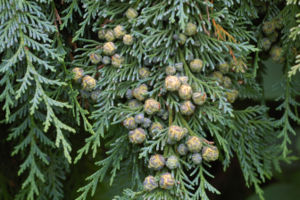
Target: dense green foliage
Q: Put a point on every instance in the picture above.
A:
(42, 41)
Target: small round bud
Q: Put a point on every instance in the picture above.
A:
(182, 149)
(210, 153)
(133, 104)
(190, 29)
(139, 118)
(182, 39)
(227, 82)
(95, 58)
(129, 94)
(119, 31)
(196, 158)
(140, 92)
(184, 79)
(218, 76)
(88, 83)
(155, 128)
(106, 60)
(146, 123)
(151, 106)
(185, 92)
(163, 114)
(131, 13)
(172, 162)
(77, 73)
(194, 144)
(187, 108)
(166, 181)
(109, 36)
(129, 123)
(117, 60)
(199, 98)
(170, 70)
(95, 95)
(137, 136)
(232, 96)
(179, 66)
(268, 27)
(265, 43)
(175, 37)
(176, 133)
(150, 183)
(109, 48)
(101, 34)
(128, 39)
(276, 53)
(196, 65)
(172, 83)
(144, 72)
(156, 162)
(224, 67)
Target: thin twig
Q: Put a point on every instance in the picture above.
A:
(205, 30)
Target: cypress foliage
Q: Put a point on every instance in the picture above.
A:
(168, 87)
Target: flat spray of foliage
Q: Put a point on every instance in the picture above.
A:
(42, 40)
